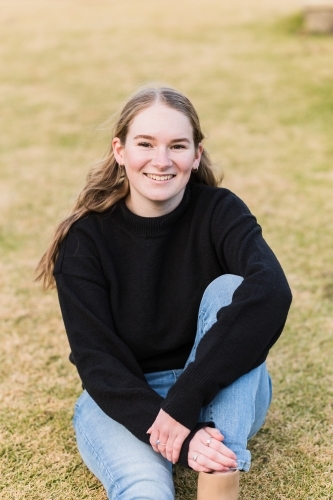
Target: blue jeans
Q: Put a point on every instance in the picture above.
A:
(130, 469)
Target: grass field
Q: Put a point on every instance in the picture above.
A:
(264, 91)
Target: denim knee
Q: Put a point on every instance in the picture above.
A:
(221, 290)
(218, 294)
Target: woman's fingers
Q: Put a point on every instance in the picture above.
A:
(222, 449)
(176, 444)
(155, 440)
(211, 456)
(217, 455)
(200, 463)
(176, 448)
(208, 452)
(170, 446)
(215, 441)
(214, 433)
(167, 436)
(207, 444)
(162, 450)
(163, 444)
(199, 468)
(227, 452)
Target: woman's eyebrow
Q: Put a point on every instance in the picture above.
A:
(151, 138)
(182, 139)
(144, 137)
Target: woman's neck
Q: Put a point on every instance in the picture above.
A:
(152, 208)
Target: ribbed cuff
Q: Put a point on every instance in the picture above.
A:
(186, 397)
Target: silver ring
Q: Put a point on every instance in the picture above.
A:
(158, 442)
(208, 441)
(195, 457)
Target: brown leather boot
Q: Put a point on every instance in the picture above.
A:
(219, 486)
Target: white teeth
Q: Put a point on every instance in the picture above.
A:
(156, 177)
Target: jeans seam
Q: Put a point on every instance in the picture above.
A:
(96, 454)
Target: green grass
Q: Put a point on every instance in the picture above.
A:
(263, 90)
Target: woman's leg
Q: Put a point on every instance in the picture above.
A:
(128, 468)
(239, 410)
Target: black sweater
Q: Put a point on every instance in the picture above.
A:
(130, 288)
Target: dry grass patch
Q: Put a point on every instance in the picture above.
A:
(264, 92)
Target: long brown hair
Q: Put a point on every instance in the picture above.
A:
(107, 183)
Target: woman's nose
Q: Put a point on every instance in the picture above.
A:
(161, 158)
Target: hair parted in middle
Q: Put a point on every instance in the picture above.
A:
(107, 182)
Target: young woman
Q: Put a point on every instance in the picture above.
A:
(171, 300)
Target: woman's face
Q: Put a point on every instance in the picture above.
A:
(158, 156)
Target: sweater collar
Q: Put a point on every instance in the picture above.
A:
(150, 227)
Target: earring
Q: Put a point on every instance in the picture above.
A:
(194, 170)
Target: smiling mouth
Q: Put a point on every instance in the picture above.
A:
(158, 177)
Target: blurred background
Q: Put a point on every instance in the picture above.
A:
(263, 87)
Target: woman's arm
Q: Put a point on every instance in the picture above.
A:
(246, 329)
(108, 369)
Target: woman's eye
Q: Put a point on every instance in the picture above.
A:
(145, 144)
(178, 146)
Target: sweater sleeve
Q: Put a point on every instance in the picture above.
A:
(247, 328)
(107, 367)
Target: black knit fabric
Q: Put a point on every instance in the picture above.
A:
(130, 287)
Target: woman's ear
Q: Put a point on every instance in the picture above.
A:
(198, 154)
(118, 150)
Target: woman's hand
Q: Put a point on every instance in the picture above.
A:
(207, 453)
(171, 435)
